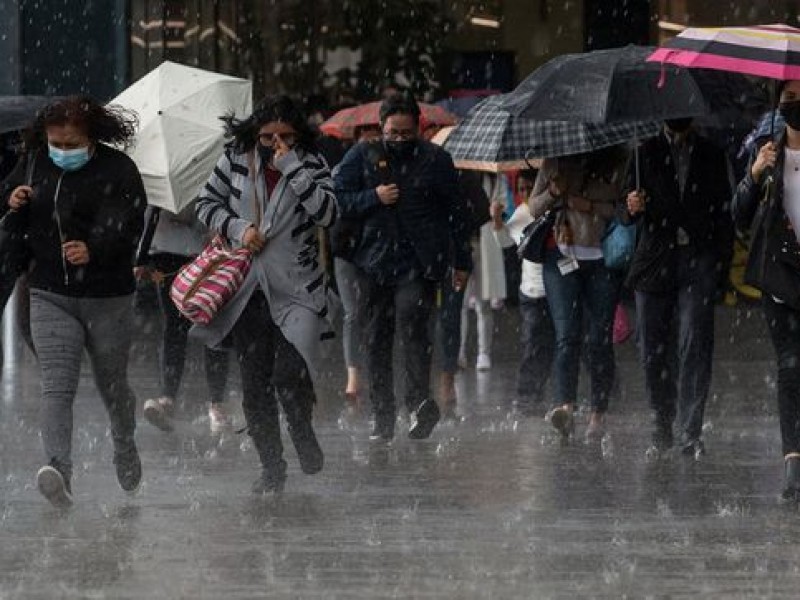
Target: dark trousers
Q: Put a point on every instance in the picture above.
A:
(676, 335)
(784, 328)
(174, 338)
(593, 288)
(537, 343)
(450, 325)
(273, 371)
(405, 306)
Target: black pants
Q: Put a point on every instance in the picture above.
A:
(537, 340)
(784, 328)
(174, 338)
(407, 306)
(677, 365)
(272, 371)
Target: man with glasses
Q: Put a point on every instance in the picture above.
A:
(404, 192)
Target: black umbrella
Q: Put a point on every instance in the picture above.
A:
(607, 86)
(17, 112)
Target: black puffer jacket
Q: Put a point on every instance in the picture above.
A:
(101, 204)
(773, 265)
(417, 231)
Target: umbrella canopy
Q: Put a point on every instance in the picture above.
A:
(181, 135)
(771, 51)
(344, 122)
(17, 112)
(607, 86)
(491, 139)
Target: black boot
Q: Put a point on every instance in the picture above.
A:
(423, 420)
(791, 478)
(273, 467)
(298, 405)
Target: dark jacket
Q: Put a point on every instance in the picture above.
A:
(101, 204)
(703, 212)
(417, 231)
(773, 265)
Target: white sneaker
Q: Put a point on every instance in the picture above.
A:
(484, 363)
(159, 411)
(218, 418)
(54, 486)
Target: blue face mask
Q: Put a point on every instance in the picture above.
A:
(69, 160)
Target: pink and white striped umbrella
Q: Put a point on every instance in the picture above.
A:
(771, 51)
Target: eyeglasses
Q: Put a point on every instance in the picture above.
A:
(267, 139)
(399, 135)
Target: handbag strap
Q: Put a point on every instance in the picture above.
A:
(254, 182)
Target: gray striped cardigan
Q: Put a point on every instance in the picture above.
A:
(288, 269)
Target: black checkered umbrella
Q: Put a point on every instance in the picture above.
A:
(490, 139)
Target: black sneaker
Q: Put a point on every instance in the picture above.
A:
(694, 448)
(54, 486)
(382, 431)
(129, 470)
(308, 451)
(423, 420)
(791, 481)
(562, 420)
(269, 483)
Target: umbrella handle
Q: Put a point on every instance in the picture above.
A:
(529, 153)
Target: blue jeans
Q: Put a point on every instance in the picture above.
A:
(678, 371)
(593, 288)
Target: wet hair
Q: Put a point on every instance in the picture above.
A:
(110, 124)
(399, 104)
(244, 132)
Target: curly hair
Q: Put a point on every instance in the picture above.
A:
(244, 132)
(110, 124)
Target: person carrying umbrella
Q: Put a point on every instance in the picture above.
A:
(83, 214)
(681, 259)
(768, 199)
(585, 190)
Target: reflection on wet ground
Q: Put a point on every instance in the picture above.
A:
(492, 506)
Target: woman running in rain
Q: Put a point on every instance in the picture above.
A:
(81, 204)
(768, 198)
(268, 193)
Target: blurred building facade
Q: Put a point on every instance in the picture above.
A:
(335, 47)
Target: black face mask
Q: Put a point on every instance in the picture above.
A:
(265, 152)
(790, 111)
(401, 149)
(679, 125)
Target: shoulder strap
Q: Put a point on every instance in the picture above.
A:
(254, 183)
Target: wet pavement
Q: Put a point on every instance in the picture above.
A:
(492, 506)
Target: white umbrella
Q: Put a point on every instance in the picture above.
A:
(181, 136)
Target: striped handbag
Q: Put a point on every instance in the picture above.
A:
(202, 287)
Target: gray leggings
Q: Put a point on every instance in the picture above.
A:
(62, 327)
